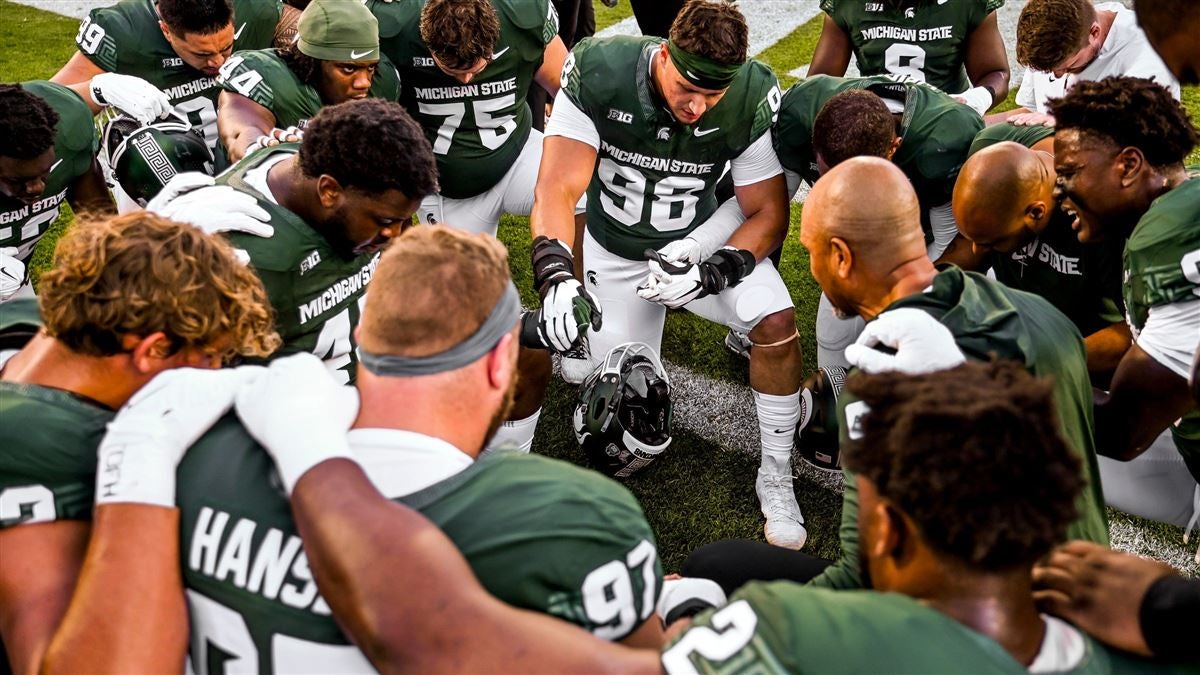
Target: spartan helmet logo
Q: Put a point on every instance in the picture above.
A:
(910, 13)
(664, 134)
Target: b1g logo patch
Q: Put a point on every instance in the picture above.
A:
(620, 116)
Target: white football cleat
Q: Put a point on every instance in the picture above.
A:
(738, 343)
(576, 364)
(785, 524)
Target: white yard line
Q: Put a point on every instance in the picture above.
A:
(73, 8)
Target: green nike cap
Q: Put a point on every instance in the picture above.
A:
(339, 30)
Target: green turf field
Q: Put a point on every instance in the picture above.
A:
(701, 490)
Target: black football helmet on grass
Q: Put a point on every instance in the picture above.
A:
(818, 441)
(622, 415)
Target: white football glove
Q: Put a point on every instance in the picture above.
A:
(299, 413)
(566, 307)
(686, 250)
(922, 344)
(674, 288)
(277, 136)
(12, 273)
(131, 95)
(193, 198)
(146, 440)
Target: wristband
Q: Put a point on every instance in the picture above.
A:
(133, 466)
(97, 97)
(726, 269)
(552, 263)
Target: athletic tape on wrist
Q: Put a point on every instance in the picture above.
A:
(499, 323)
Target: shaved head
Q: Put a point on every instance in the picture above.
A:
(861, 223)
(1003, 196)
(869, 203)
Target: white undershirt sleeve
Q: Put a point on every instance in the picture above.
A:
(756, 163)
(569, 121)
(1026, 98)
(1171, 335)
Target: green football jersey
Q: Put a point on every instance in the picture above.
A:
(1027, 136)
(990, 320)
(918, 40)
(48, 440)
(262, 76)
(539, 534)
(477, 129)
(75, 143)
(935, 131)
(125, 38)
(782, 627)
(316, 292)
(655, 178)
(1162, 267)
(1083, 281)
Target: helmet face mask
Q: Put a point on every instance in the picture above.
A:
(142, 158)
(819, 441)
(622, 416)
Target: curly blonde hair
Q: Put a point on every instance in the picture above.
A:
(139, 274)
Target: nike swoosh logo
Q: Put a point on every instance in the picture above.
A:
(706, 132)
(238, 33)
(55, 165)
(8, 274)
(942, 2)
(499, 53)
(354, 56)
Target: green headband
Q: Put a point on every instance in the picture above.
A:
(701, 71)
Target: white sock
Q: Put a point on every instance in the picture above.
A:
(777, 419)
(515, 434)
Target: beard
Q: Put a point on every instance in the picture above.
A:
(501, 414)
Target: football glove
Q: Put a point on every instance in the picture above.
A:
(686, 251)
(568, 309)
(676, 285)
(922, 344)
(299, 413)
(132, 95)
(193, 198)
(146, 440)
(12, 273)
